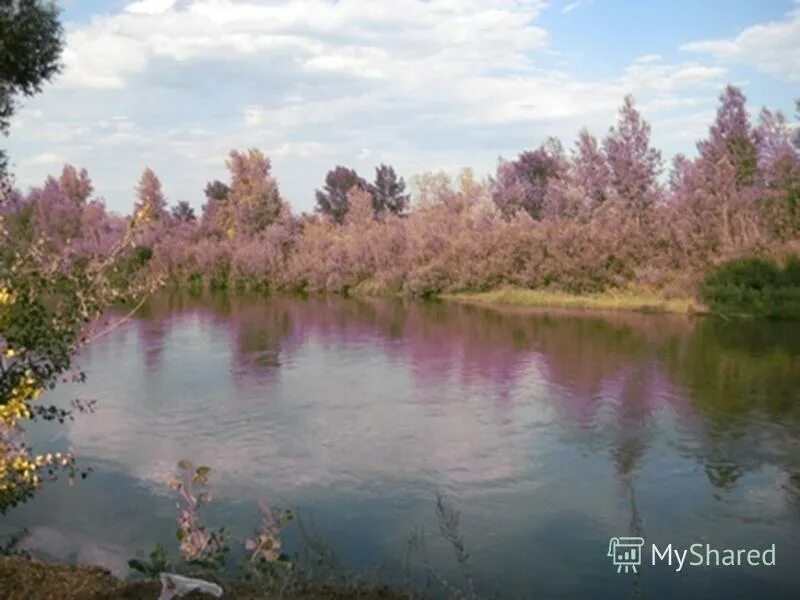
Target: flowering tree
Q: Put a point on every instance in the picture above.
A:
(731, 139)
(779, 169)
(253, 202)
(634, 165)
(585, 221)
(48, 302)
(590, 168)
(150, 204)
(718, 192)
(522, 184)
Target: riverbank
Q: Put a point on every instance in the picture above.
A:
(26, 579)
(612, 300)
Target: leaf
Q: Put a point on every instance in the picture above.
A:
(139, 566)
(185, 465)
(201, 474)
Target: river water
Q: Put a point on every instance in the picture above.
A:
(551, 433)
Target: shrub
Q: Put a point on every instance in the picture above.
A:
(754, 286)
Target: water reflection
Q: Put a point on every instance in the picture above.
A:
(553, 432)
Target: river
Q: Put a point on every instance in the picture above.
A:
(550, 432)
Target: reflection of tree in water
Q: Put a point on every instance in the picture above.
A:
(734, 386)
(153, 328)
(743, 380)
(631, 438)
(260, 332)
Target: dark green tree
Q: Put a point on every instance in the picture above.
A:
(332, 200)
(31, 41)
(183, 212)
(388, 191)
(217, 191)
(796, 137)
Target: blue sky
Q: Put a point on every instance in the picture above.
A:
(423, 85)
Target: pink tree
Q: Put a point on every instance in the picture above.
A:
(523, 183)
(58, 206)
(731, 137)
(254, 201)
(590, 168)
(151, 205)
(634, 165)
(779, 171)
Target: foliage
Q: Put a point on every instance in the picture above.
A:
(159, 563)
(388, 191)
(206, 549)
(12, 546)
(594, 220)
(183, 212)
(634, 166)
(198, 545)
(254, 202)
(31, 40)
(51, 294)
(151, 204)
(217, 191)
(590, 221)
(523, 183)
(754, 286)
(333, 200)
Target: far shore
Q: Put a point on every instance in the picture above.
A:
(605, 301)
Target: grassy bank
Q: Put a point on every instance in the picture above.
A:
(616, 300)
(24, 579)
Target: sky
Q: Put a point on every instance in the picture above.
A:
(422, 85)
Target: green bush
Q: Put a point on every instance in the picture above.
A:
(754, 287)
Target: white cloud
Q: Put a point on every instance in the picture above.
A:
(150, 7)
(573, 5)
(424, 84)
(100, 58)
(299, 149)
(772, 47)
(46, 158)
(112, 48)
(254, 115)
(649, 58)
(663, 78)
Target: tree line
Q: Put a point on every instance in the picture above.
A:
(603, 214)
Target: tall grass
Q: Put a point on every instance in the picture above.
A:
(631, 300)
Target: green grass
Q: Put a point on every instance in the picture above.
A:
(612, 300)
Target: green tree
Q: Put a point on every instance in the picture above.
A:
(49, 302)
(388, 191)
(31, 40)
(183, 212)
(333, 199)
